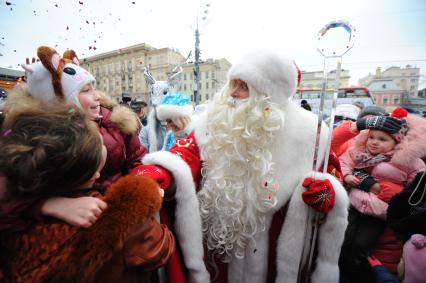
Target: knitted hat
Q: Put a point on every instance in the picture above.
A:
(372, 110)
(269, 73)
(173, 106)
(55, 77)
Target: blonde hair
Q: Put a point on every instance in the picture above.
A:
(181, 122)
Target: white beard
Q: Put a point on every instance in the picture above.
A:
(239, 185)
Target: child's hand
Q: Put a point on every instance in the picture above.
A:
(351, 180)
(375, 188)
(81, 212)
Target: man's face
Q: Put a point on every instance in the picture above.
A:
(239, 89)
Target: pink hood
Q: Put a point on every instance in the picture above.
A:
(413, 146)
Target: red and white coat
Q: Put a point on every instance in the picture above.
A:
(294, 162)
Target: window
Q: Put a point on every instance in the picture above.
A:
(213, 75)
(383, 85)
(396, 100)
(207, 75)
(412, 87)
(184, 77)
(385, 100)
(207, 85)
(184, 87)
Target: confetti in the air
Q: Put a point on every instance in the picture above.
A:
(80, 2)
(9, 3)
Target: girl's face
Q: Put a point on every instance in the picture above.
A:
(379, 142)
(239, 89)
(90, 101)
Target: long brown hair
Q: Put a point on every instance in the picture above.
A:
(49, 150)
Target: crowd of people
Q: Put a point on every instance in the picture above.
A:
(96, 191)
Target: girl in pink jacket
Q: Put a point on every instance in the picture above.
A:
(368, 165)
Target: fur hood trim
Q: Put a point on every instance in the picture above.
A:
(414, 144)
(122, 116)
(19, 98)
(125, 119)
(412, 147)
(131, 201)
(106, 100)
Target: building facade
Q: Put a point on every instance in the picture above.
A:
(386, 93)
(406, 78)
(314, 80)
(121, 71)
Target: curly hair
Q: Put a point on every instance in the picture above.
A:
(239, 173)
(49, 150)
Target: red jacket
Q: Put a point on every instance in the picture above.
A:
(123, 146)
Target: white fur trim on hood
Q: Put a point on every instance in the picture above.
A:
(188, 219)
(268, 72)
(170, 111)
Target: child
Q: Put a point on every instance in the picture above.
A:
(176, 111)
(57, 151)
(369, 165)
(55, 80)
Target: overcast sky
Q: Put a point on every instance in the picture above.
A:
(388, 32)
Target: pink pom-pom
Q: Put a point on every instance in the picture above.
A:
(399, 113)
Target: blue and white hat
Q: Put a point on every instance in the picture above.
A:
(173, 106)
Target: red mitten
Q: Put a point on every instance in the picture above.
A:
(319, 194)
(158, 173)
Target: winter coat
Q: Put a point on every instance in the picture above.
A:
(406, 154)
(124, 245)
(392, 171)
(342, 138)
(283, 249)
(124, 151)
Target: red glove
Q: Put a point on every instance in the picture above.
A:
(158, 173)
(319, 194)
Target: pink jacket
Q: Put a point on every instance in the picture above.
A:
(405, 160)
(384, 171)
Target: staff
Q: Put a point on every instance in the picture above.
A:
(331, 55)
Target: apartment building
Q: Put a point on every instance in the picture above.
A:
(315, 79)
(406, 78)
(121, 71)
(386, 93)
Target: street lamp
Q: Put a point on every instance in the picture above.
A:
(197, 75)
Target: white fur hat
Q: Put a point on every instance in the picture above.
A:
(348, 111)
(173, 106)
(269, 72)
(55, 77)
